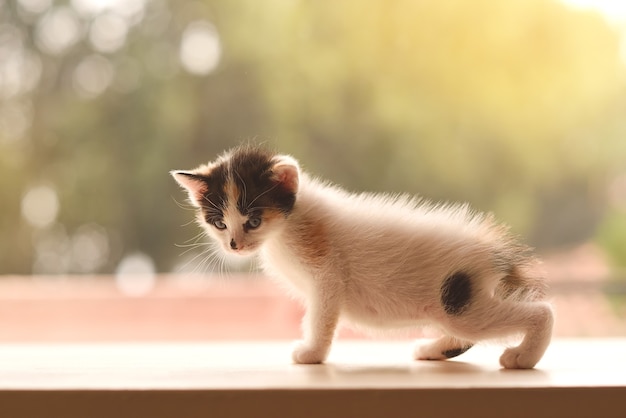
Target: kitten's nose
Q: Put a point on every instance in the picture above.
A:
(233, 244)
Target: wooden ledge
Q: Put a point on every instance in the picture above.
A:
(576, 378)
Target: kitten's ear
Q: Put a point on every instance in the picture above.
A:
(286, 172)
(196, 185)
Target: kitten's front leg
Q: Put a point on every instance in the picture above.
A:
(319, 323)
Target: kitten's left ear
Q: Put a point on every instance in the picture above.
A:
(195, 185)
(286, 172)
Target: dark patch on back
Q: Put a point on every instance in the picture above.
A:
(456, 351)
(456, 293)
(251, 170)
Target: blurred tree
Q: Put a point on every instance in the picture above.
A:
(514, 106)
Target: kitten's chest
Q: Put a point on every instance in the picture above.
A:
(279, 260)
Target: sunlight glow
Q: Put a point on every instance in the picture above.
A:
(612, 10)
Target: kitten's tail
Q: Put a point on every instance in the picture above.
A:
(522, 285)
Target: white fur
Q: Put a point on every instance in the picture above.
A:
(380, 264)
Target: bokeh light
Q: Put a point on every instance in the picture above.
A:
(52, 250)
(108, 32)
(20, 70)
(135, 275)
(58, 30)
(200, 48)
(93, 75)
(35, 6)
(40, 206)
(131, 10)
(89, 248)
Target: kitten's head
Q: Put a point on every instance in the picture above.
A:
(243, 197)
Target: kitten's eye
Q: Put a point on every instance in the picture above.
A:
(254, 223)
(219, 224)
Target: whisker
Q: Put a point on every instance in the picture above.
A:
(214, 262)
(188, 223)
(197, 237)
(193, 245)
(194, 258)
(258, 208)
(205, 263)
(209, 260)
(189, 262)
(184, 206)
(205, 197)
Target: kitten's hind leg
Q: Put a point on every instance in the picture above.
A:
(494, 318)
(535, 342)
(442, 349)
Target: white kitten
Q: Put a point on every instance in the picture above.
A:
(378, 261)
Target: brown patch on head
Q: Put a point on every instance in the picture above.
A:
(232, 192)
(243, 190)
(253, 172)
(269, 215)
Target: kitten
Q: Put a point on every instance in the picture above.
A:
(378, 261)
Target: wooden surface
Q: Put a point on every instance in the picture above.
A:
(361, 378)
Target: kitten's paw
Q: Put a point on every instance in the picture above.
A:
(516, 358)
(427, 352)
(303, 353)
(441, 349)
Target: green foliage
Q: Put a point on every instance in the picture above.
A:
(515, 106)
(612, 236)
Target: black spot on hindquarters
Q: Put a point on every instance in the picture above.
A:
(456, 351)
(456, 292)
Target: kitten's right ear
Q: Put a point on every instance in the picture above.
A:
(196, 185)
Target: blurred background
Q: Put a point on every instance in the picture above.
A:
(517, 107)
